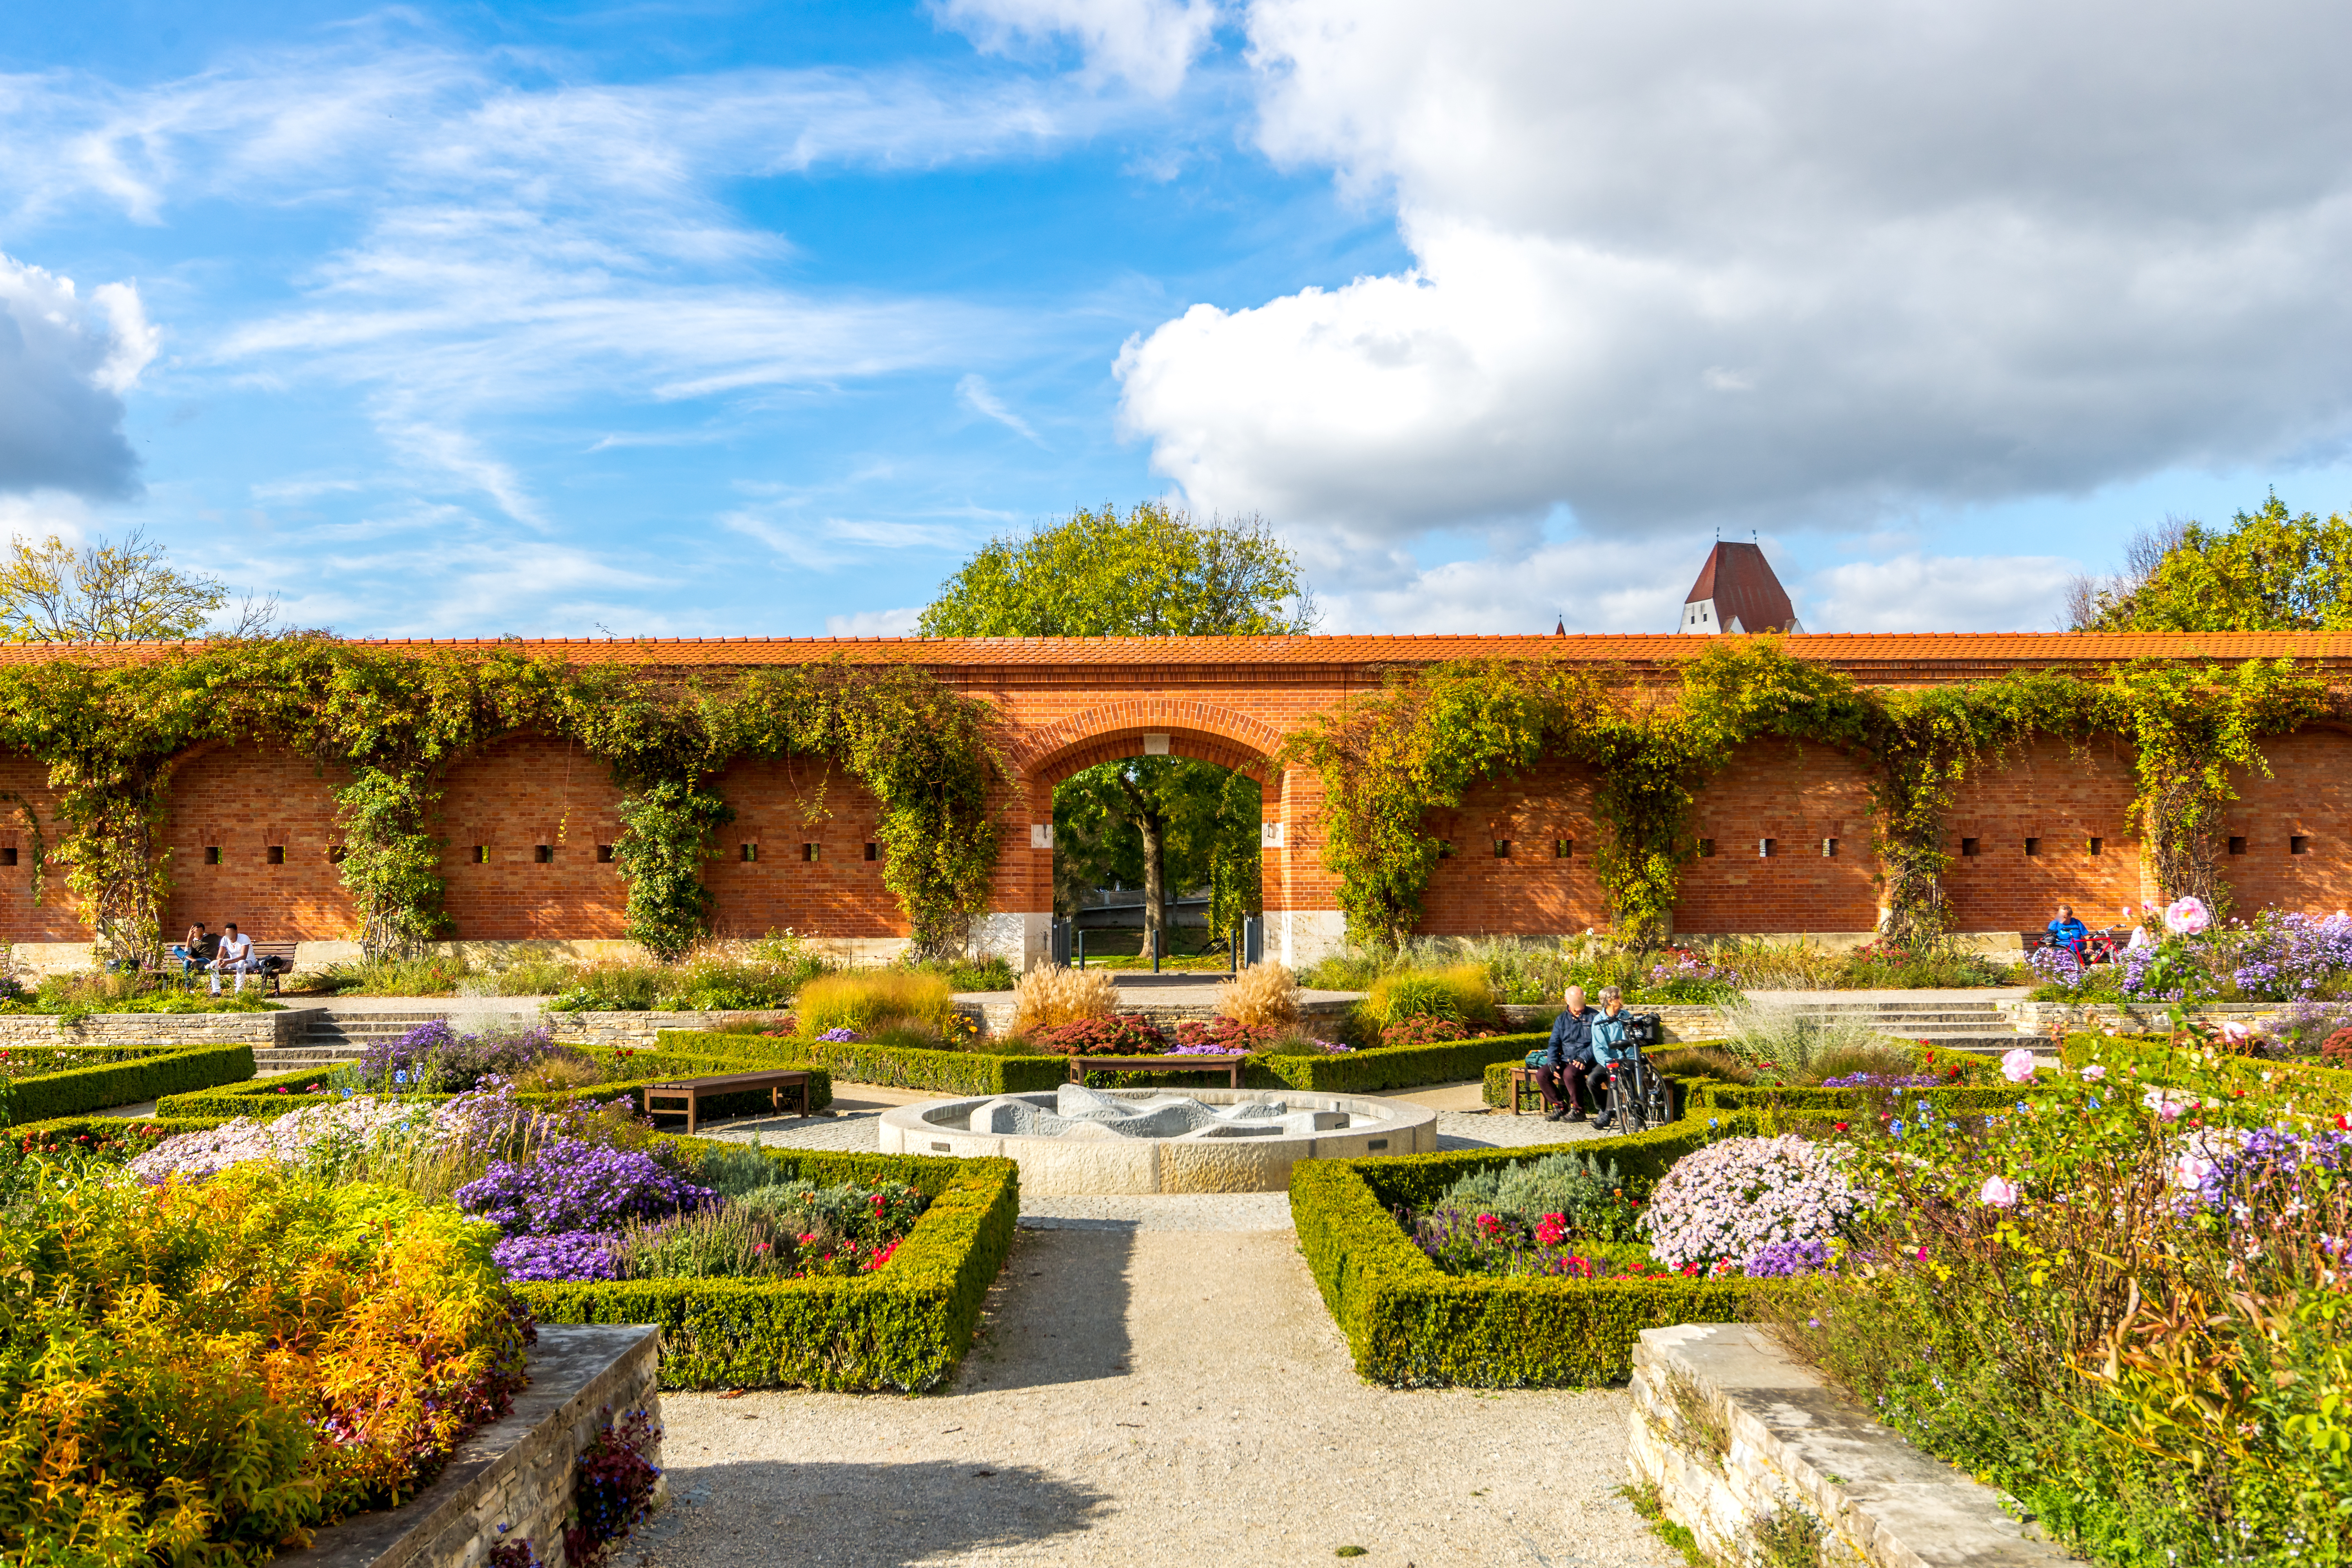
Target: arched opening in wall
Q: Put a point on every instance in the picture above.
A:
(1157, 844)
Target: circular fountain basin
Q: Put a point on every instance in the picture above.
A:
(1131, 1141)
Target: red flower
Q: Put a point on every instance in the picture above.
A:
(1841, 1126)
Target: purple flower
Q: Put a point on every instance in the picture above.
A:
(1785, 1259)
(838, 1036)
(567, 1255)
(574, 1185)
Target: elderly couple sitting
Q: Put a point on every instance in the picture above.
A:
(1584, 1044)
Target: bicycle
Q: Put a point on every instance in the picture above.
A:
(1639, 1098)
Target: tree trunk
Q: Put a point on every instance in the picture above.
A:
(1144, 812)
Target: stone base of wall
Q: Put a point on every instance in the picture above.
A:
(1733, 1434)
(511, 1480)
(262, 1031)
(638, 1030)
(2090, 1017)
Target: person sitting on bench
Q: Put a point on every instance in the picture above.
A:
(2068, 933)
(1568, 1055)
(1609, 1047)
(199, 950)
(235, 958)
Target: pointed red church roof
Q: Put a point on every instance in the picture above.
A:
(1742, 584)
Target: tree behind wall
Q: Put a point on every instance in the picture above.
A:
(2267, 571)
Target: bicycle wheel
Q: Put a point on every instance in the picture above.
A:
(1624, 1105)
(1655, 1095)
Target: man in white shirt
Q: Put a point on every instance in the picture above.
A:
(235, 958)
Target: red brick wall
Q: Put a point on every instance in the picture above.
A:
(2309, 794)
(1797, 794)
(242, 800)
(781, 806)
(57, 917)
(1533, 890)
(2061, 796)
(514, 797)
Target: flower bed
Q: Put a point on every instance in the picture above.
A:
(225, 1365)
(2120, 1299)
(112, 1076)
(1410, 1324)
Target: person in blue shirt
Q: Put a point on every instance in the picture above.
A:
(1568, 1057)
(2068, 932)
(1609, 1045)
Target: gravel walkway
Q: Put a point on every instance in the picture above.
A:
(856, 1131)
(1149, 1392)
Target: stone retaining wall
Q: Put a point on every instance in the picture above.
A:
(640, 1029)
(511, 1480)
(2080, 1017)
(259, 1030)
(1735, 1436)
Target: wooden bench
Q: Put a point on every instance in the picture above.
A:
(276, 959)
(1230, 1065)
(693, 1089)
(1523, 1083)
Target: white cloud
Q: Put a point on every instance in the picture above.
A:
(875, 622)
(973, 393)
(458, 455)
(65, 364)
(1912, 593)
(1150, 44)
(836, 542)
(1783, 264)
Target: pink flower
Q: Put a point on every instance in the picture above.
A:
(2188, 915)
(1998, 1192)
(2094, 1073)
(2017, 1065)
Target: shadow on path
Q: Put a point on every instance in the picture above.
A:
(1058, 1311)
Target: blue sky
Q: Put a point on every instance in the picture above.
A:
(717, 318)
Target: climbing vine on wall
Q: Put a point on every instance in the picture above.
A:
(391, 723)
(1388, 759)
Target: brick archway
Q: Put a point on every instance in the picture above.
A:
(1204, 731)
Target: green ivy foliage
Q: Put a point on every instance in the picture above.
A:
(390, 722)
(1388, 759)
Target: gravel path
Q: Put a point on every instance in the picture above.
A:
(856, 1131)
(1146, 1392)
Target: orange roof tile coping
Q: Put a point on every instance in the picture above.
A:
(1841, 648)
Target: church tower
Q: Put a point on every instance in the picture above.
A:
(1737, 592)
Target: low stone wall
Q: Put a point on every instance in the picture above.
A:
(511, 1480)
(639, 1029)
(1738, 1439)
(2082, 1018)
(260, 1030)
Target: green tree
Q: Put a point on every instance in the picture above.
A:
(1165, 825)
(1160, 823)
(1154, 573)
(50, 592)
(2267, 571)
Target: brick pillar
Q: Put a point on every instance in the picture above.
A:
(1303, 923)
(1018, 926)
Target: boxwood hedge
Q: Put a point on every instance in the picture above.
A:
(282, 1092)
(141, 1074)
(903, 1328)
(1410, 1324)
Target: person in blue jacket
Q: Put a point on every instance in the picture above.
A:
(1568, 1057)
(2068, 932)
(1609, 1046)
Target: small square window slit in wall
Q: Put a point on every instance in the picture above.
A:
(1563, 848)
(1970, 846)
(335, 853)
(275, 854)
(7, 854)
(1445, 848)
(2097, 845)
(2238, 844)
(1829, 849)
(751, 852)
(212, 854)
(2298, 844)
(873, 850)
(1763, 850)
(808, 851)
(482, 854)
(543, 853)
(1706, 847)
(2034, 846)
(604, 853)
(1502, 848)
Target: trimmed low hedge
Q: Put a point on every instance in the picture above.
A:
(1410, 1325)
(903, 1328)
(277, 1095)
(1715, 1094)
(1390, 1067)
(897, 1067)
(128, 1082)
(63, 1129)
(2149, 1053)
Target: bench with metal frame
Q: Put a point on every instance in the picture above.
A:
(276, 958)
(1230, 1065)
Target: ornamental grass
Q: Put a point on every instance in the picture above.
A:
(1263, 996)
(867, 1000)
(1052, 996)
